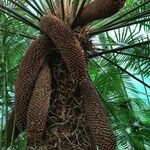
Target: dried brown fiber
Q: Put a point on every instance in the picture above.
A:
(72, 53)
(100, 9)
(39, 105)
(27, 75)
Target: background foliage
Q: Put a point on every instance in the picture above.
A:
(119, 66)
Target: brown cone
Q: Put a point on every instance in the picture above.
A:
(100, 9)
(27, 75)
(67, 43)
(39, 105)
(97, 117)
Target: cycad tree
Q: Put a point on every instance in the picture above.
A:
(117, 51)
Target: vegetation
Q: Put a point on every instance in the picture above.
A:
(119, 63)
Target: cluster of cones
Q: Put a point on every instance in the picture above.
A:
(56, 102)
